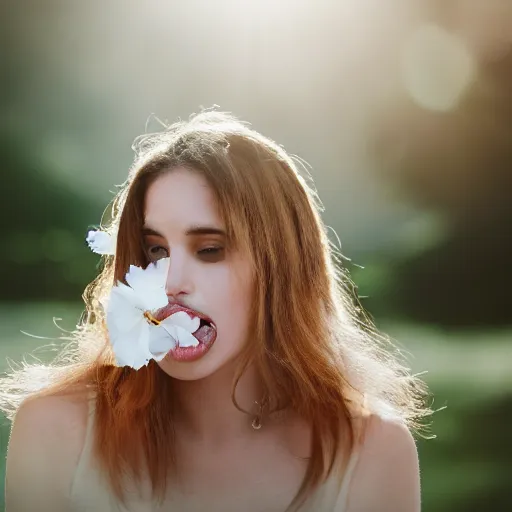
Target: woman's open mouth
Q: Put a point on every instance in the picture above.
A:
(206, 333)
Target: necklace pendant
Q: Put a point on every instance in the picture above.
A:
(256, 423)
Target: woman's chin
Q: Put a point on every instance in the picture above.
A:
(195, 363)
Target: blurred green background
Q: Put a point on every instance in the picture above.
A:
(404, 110)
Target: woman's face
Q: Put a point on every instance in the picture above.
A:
(205, 275)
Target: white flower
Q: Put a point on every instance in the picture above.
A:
(136, 336)
(180, 327)
(101, 242)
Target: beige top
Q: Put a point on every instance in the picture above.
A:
(91, 493)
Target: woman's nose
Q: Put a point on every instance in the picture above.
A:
(178, 281)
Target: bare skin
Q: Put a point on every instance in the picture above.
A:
(225, 463)
(253, 471)
(257, 472)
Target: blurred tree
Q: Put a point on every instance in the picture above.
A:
(457, 164)
(43, 225)
(473, 448)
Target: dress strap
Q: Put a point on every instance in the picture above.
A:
(85, 455)
(342, 499)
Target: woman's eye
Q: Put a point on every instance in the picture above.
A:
(157, 252)
(211, 254)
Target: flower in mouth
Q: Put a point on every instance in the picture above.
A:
(135, 334)
(179, 327)
(101, 242)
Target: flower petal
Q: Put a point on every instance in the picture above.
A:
(157, 271)
(160, 342)
(143, 355)
(122, 312)
(183, 337)
(129, 347)
(183, 320)
(149, 284)
(101, 242)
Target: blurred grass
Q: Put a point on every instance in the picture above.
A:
(24, 324)
(467, 466)
(467, 372)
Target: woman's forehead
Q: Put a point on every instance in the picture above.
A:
(182, 200)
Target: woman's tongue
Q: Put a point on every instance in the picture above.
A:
(205, 333)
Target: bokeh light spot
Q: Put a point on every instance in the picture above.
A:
(437, 68)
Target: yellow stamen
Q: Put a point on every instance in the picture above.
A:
(150, 318)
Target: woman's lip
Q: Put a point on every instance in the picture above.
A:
(189, 354)
(173, 308)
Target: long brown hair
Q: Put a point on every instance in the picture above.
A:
(315, 349)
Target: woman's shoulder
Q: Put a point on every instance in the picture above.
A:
(387, 463)
(45, 445)
(373, 424)
(53, 416)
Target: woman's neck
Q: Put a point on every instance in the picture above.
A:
(204, 409)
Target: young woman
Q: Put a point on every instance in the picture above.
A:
(253, 383)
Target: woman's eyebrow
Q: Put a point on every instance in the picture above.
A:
(151, 232)
(192, 231)
(204, 230)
